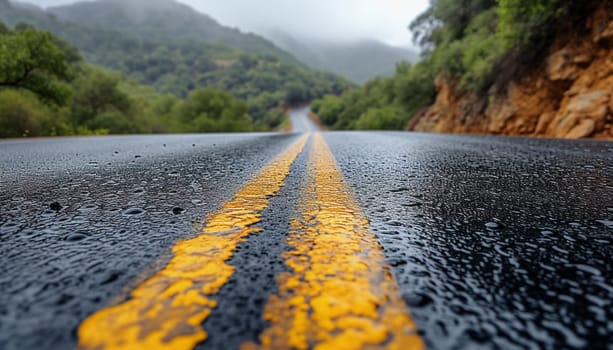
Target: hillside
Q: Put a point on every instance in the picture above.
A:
(566, 94)
(46, 89)
(175, 49)
(358, 61)
(164, 20)
(508, 67)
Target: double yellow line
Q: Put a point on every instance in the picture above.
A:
(340, 295)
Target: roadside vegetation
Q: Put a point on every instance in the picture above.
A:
(121, 75)
(99, 73)
(481, 44)
(46, 89)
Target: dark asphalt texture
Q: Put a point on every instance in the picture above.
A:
(124, 202)
(496, 243)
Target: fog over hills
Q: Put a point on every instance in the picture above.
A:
(163, 19)
(358, 60)
(346, 41)
(347, 20)
(169, 46)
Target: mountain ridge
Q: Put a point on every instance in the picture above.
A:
(167, 19)
(175, 50)
(359, 60)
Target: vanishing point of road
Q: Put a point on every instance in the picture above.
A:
(306, 240)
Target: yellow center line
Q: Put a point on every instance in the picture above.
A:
(341, 294)
(167, 310)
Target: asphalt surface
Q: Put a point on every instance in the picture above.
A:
(495, 243)
(301, 123)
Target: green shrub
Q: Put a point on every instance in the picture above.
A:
(386, 118)
(22, 114)
(31, 60)
(328, 109)
(415, 87)
(527, 23)
(210, 110)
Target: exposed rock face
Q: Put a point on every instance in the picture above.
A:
(570, 96)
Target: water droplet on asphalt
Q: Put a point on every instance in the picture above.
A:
(402, 189)
(110, 277)
(134, 212)
(75, 237)
(177, 210)
(418, 300)
(478, 335)
(55, 206)
(588, 269)
(395, 223)
(492, 225)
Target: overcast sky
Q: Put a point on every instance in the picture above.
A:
(385, 20)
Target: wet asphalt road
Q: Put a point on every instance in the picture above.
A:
(496, 243)
(301, 123)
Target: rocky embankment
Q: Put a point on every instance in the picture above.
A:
(570, 95)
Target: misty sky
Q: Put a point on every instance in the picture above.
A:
(385, 20)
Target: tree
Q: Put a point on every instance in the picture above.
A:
(210, 110)
(31, 60)
(21, 114)
(446, 20)
(386, 118)
(4, 30)
(531, 25)
(98, 103)
(297, 92)
(328, 109)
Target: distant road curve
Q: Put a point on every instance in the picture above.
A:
(301, 123)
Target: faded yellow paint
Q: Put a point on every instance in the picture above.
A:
(167, 310)
(341, 294)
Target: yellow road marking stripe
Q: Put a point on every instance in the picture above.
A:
(167, 310)
(341, 294)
